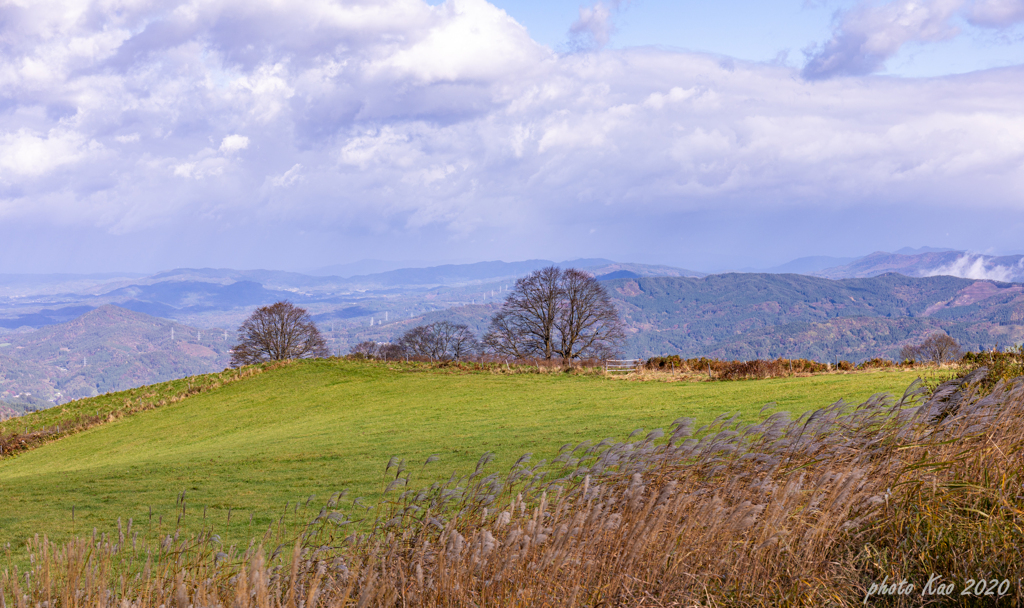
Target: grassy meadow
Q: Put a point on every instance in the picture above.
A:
(256, 449)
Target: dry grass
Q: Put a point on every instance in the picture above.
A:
(783, 513)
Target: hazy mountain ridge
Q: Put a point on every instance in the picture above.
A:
(223, 297)
(962, 264)
(808, 265)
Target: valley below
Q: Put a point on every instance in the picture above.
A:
(64, 337)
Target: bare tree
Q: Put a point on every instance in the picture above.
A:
(439, 341)
(378, 350)
(910, 353)
(587, 323)
(455, 341)
(939, 348)
(556, 312)
(525, 325)
(390, 352)
(367, 349)
(418, 342)
(276, 332)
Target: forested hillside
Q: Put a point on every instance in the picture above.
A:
(747, 316)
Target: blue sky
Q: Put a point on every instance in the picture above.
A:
(766, 31)
(140, 135)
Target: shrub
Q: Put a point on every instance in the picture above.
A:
(876, 363)
(737, 370)
(1000, 365)
(384, 351)
(668, 362)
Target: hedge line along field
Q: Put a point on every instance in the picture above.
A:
(255, 450)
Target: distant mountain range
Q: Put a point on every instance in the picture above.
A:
(750, 315)
(920, 262)
(209, 296)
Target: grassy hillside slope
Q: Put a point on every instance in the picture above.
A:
(317, 427)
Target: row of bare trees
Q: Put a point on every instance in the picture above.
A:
(553, 313)
(439, 341)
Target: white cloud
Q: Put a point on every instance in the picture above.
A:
(969, 266)
(677, 94)
(234, 143)
(200, 169)
(31, 155)
(289, 177)
(467, 39)
(871, 33)
(595, 26)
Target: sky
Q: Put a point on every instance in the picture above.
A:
(140, 136)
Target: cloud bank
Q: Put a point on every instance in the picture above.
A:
(374, 124)
(981, 267)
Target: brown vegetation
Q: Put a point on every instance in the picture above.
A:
(717, 369)
(802, 513)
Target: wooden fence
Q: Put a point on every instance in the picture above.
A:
(622, 365)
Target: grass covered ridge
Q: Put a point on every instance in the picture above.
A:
(252, 448)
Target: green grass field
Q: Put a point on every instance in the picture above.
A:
(258, 445)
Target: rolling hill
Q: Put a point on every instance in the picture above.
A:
(107, 349)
